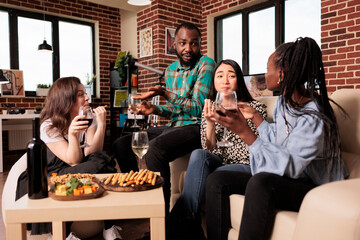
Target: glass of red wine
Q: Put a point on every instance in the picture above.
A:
(226, 100)
(89, 116)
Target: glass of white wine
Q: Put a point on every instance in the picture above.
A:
(140, 145)
(134, 106)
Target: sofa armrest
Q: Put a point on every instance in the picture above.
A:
(331, 212)
(177, 174)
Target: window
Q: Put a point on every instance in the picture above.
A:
(261, 39)
(75, 48)
(262, 28)
(36, 66)
(300, 19)
(4, 41)
(72, 42)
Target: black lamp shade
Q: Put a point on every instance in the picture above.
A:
(45, 47)
(3, 79)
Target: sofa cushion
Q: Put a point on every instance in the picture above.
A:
(352, 162)
(285, 221)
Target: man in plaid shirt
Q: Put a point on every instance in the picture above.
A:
(188, 83)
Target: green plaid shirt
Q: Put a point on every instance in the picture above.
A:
(188, 88)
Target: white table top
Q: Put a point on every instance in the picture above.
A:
(111, 205)
(19, 116)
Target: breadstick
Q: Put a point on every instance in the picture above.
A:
(129, 175)
(115, 178)
(153, 180)
(140, 174)
(144, 178)
(122, 179)
(108, 179)
(129, 183)
(133, 176)
(150, 176)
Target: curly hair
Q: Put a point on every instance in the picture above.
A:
(59, 103)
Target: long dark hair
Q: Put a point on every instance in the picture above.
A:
(301, 64)
(242, 91)
(59, 103)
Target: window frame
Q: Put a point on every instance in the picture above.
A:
(279, 29)
(14, 44)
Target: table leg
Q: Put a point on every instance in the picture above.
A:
(157, 228)
(16, 231)
(58, 228)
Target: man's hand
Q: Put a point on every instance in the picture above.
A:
(147, 108)
(153, 91)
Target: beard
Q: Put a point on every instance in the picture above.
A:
(193, 60)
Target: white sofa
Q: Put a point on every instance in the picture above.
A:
(328, 212)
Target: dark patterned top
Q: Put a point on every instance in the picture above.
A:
(238, 153)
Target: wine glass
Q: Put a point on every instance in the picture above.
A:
(134, 106)
(89, 116)
(228, 101)
(140, 145)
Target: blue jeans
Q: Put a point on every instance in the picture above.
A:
(201, 164)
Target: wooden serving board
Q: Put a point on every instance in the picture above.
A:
(134, 188)
(92, 195)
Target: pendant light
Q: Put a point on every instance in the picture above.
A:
(139, 2)
(44, 46)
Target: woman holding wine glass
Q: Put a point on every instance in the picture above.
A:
(222, 150)
(64, 129)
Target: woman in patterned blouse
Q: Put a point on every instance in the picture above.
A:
(184, 220)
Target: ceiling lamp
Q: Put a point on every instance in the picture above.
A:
(44, 46)
(139, 2)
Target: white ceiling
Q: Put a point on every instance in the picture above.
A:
(121, 4)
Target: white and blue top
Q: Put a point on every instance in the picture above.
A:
(292, 146)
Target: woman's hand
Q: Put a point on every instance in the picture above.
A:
(77, 126)
(236, 122)
(250, 113)
(100, 113)
(209, 112)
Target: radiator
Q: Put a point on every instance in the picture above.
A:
(18, 139)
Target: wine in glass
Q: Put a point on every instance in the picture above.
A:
(134, 106)
(140, 145)
(89, 116)
(228, 101)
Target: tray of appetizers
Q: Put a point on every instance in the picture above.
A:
(77, 186)
(141, 180)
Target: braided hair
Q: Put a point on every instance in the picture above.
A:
(301, 64)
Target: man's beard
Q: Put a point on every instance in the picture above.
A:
(192, 62)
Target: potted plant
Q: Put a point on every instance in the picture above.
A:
(42, 89)
(38, 109)
(120, 65)
(89, 85)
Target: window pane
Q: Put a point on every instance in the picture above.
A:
(36, 65)
(4, 41)
(232, 38)
(76, 50)
(302, 20)
(261, 39)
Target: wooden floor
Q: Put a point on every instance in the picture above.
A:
(132, 229)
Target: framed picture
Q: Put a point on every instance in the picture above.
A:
(169, 42)
(15, 86)
(120, 97)
(146, 46)
(256, 85)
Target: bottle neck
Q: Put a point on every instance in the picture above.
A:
(36, 128)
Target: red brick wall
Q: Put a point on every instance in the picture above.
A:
(340, 38)
(109, 39)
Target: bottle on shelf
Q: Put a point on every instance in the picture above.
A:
(37, 164)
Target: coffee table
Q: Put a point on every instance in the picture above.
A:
(111, 205)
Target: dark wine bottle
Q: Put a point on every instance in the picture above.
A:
(37, 164)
